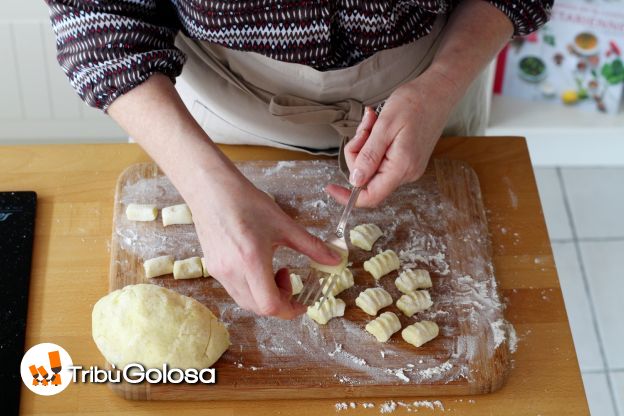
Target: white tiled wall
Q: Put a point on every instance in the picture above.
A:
(37, 104)
(583, 209)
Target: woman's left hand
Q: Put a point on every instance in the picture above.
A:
(394, 148)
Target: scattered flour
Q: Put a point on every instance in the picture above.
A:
(388, 407)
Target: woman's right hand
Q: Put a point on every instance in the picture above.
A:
(239, 227)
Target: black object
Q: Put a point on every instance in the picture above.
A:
(17, 226)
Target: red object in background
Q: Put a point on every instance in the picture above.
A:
(532, 37)
(614, 49)
(499, 75)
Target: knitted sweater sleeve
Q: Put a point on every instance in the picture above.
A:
(108, 47)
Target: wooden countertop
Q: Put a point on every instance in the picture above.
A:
(76, 184)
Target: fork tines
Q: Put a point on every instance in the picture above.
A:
(313, 290)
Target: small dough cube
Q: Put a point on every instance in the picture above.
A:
(410, 280)
(188, 269)
(384, 326)
(373, 299)
(141, 212)
(331, 308)
(158, 266)
(204, 271)
(296, 283)
(177, 214)
(413, 302)
(420, 333)
(337, 269)
(364, 236)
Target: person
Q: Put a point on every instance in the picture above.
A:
(296, 74)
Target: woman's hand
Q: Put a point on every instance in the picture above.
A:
(239, 228)
(394, 148)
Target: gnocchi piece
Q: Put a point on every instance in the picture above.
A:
(296, 283)
(158, 266)
(365, 235)
(410, 280)
(188, 269)
(420, 333)
(384, 326)
(177, 214)
(413, 302)
(373, 299)
(343, 282)
(331, 308)
(337, 269)
(204, 271)
(141, 212)
(382, 264)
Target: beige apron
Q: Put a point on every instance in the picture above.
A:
(246, 98)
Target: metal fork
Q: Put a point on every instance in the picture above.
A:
(312, 288)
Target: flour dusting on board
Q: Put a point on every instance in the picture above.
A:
(415, 224)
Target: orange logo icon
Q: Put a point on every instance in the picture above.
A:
(45, 369)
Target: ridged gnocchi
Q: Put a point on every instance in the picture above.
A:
(373, 299)
(343, 281)
(331, 308)
(382, 264)
(384, 326)
(410, 280)
(365, 235)
(296, 283)
(420, 333)
(413, 302)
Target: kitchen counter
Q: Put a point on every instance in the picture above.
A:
(76, 185)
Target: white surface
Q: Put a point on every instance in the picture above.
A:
(603, 265)
(558, 135)
(37, 103)
(553, 206)
(578, 307)
(596, 198)
(597, 392)
(617, 378)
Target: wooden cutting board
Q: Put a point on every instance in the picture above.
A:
(437, 223)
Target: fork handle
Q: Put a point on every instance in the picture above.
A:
(355, 192)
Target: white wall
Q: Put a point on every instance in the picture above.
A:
(37, 104)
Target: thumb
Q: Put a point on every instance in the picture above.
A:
(299, 239)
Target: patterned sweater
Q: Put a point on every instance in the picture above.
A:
(108, 47)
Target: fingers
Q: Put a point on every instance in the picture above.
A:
(353, 147)
(370, 156)
(299, 239)
(282, 279)
(270, 300)
(339, 193)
